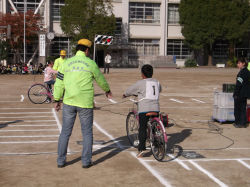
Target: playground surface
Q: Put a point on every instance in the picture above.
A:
(207, 153)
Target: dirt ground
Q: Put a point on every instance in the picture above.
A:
(29, 134)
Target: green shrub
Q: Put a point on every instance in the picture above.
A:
(232, 62)
(190, 63)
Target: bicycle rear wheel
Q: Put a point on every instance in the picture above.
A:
(132, 127)
(157, 142)
(38, 94)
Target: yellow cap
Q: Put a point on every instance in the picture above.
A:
(85, 42)
(62, 53)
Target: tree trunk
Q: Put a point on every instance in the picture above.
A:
(210, 56)
(231, 50)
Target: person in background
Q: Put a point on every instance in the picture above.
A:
(59, 61)
(248, 66)
(107, 62)
(74, 83)
(241, 93)
(49, 75)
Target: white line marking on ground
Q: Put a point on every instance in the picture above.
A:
(9, 101)
(33, 153)
(216, 159)
(29, 121)
(210, 175)
(244, 163)
(180, 162)
(153, 171)
(240, 148)
(28, 117)
(22, 98)
(175, 100)
(33, 130)
(39, 136)
(59, 127)
(57, 120)
(29, 142)
(112, 101)
(25, 112)
(40, 125)
(164, 95)
(24, 108)
(197, 100)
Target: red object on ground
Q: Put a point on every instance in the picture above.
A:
(248, 113)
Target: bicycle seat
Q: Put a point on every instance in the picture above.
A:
(151, 114)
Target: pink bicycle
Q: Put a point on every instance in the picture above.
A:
(39, 93)
(156, 134)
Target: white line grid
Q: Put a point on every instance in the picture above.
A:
(46, 127)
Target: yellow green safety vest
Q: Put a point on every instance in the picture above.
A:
(58, 63)
(74, 81)
(248, 67)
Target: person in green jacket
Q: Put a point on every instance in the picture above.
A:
(59, 61)
(248, 67)
(74, 83)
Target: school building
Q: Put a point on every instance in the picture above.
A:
(147, 31)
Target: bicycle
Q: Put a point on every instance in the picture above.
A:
(156, 134)
(39, 93)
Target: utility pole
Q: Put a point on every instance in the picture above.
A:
(24, 31)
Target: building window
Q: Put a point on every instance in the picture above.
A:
(173, 14)
(178, 48)
(60, 43)
(31, 4)
(143, 47)
(118, 29)
(144, 12)
(56, 6)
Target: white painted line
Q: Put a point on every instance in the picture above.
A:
(210, 175)
(240, 148)
(25, 112)
(33, 130)
(153, 171)
(40, 125)
(112, 101)
(175, 100)
(59, 127)
(39, 136)
(57, 120)
(164, 95)
(33, 153)
(244, 163)
(22, 98)
(216, 159)
(107, 134)
(199, 101)
(30, 121)
(9, 101)
(180, 162)
(28, 142)
(24, 108)
(29, 117)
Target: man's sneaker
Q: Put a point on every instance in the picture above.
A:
(88, 165)
(140, 154)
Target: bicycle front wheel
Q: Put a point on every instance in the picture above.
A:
(38, 94)
(132, 127)
(157, 142)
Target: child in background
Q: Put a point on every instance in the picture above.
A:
(148, 91)
(49, 75)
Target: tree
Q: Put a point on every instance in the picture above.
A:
(17, 30)
(205, 21)
(4, 49)
(85, 18)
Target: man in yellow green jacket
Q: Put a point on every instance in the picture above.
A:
(75, 84)
(59, 61)
(248, 67)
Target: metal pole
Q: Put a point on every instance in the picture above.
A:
(94, 49)
(24, 31)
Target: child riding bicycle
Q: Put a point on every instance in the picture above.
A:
(147, 90)
(49, 75)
